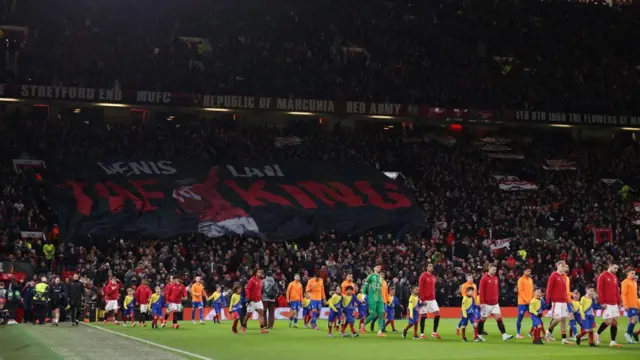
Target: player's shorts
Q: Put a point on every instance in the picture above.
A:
(111, 305)
(588, 323)
(295, 305)
(415, 317)
(174, 307)
(55, 305)
(536, 321)
(316, 304)
(610, 312)
(156, 310)
(488, 310)
(559, 310)
(197, 304)
(523, 309)
(128, 311)
(348, 316)
(471, 318)
(429, 306)
(362, 312)
(306, 311)
(144, 309)
(254, 305)
(391, 314)
(333, 315)
(577, 318)
(632, 312)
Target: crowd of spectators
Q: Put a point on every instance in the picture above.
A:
(452, 183)
(552, 55)
(456, 53)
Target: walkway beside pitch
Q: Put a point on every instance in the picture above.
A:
(92, 343)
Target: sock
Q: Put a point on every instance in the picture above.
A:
(464, 332)
(344, 326)
(200, 312)
(387, 323)
(564, 335)
(614, 331)
(573, 329)
(330, 326)
(422, 320)
(591, 337)
(582, 333)
(361, 322)
(381, 322)
(234, 327)
(475, 331)
(175, 319)
(630, 328)
(166, 316)
(295, 319)
(481, 326)
(193, 313)
(393, 325)
(551, 327)
(415, 330)
(602, 327)
(519, 322)
(314, 318)
(436, 322)
(353, 330)
(542, 331)
(637, 333)
(115, 316)
(501, 326)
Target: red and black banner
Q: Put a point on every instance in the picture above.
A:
(164, 198)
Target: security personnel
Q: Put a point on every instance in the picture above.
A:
(41, 300)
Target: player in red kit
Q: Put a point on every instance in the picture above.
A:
(111, 295)
(142, 296)
(216, 215)
(253, 293)
(174, 295)
(557, 297)
(489, 296)
(609, 298)
(427, 290)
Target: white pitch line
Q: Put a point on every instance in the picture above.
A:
(150, 343)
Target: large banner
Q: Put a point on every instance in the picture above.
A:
(236, 102)
(165, 198)
(513, 183)
(560, 165)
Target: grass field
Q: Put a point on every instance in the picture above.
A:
(215, 341)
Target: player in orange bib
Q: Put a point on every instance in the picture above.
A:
(197, 294)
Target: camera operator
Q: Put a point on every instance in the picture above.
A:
(76, 293)
(41, 300)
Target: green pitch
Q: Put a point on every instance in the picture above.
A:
(215, 341)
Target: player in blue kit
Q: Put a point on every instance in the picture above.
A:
(390, 309)
(536, 307)
(363, 311)
(335, 308)
(469, 314)
(348, 305)
(129, 308)
(156, 302)
(587, 305)
(412, 314)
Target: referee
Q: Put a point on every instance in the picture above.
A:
(76, 290)
(41, 300)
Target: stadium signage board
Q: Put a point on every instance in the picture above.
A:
(165, 198)
(225, 102)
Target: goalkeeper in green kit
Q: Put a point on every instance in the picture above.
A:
(372, 293)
